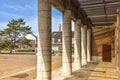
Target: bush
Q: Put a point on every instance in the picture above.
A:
(25, 50)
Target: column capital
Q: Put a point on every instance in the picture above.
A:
(83, 25)
(78, 21)
(89, 24)
(118, 11)
(118, 18)
(68, 4)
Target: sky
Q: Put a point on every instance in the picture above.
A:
(28, 10)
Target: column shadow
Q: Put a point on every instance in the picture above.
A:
(84, 73)
(24, 75)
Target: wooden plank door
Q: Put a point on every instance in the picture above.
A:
(106, 55)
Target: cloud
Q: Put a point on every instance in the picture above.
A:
(10, 15)
(33, 23)
(30, 20)
(3, 25)
(56, 20)
(19, 7)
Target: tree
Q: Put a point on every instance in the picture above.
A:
(15, 31)
(25, 42)
(4, 44)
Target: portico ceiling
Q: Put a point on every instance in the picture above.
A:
(101, 12)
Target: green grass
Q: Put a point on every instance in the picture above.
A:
(23, 53)
(57, 54)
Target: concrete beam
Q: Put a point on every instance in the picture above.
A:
(58, 4)
(76, 11)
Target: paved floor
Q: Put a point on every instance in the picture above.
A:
(92, 71)
(13, 64)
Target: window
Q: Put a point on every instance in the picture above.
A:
(55, 33)
(53, 40)
(55, 48)
(59, 40)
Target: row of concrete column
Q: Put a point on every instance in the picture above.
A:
(82, 42)
(82, 45)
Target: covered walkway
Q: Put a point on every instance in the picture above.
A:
(86, 14)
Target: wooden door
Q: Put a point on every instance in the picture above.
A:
(106, 55)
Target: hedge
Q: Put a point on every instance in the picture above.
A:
(25, 51)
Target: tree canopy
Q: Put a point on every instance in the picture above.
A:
(15, 31)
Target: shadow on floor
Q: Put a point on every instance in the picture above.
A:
(83, 73)
(24, 75)
(96, 71)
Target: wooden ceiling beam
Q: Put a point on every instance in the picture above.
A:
(109, 15)
(100, 4)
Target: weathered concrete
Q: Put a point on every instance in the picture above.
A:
(44, 31)
(67, 43)
(58, 4)
(118, 40)
(116, 45)
(84, 45)
(89, 44)
(77, 45)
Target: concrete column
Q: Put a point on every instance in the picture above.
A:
(89, 44)
(84, 45)
(67, 43)
(118, 39)
(77, 45)
(38, 60)
(116, 45)
(44, 41)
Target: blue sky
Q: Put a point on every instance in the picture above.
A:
(26, 9)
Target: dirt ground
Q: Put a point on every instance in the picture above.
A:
(22, 67)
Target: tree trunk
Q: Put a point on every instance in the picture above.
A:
(0, 51)
(10, 50)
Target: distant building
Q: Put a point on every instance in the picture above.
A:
(57, 41)
(33, 42)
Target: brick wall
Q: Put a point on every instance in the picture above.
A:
(102, 36)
